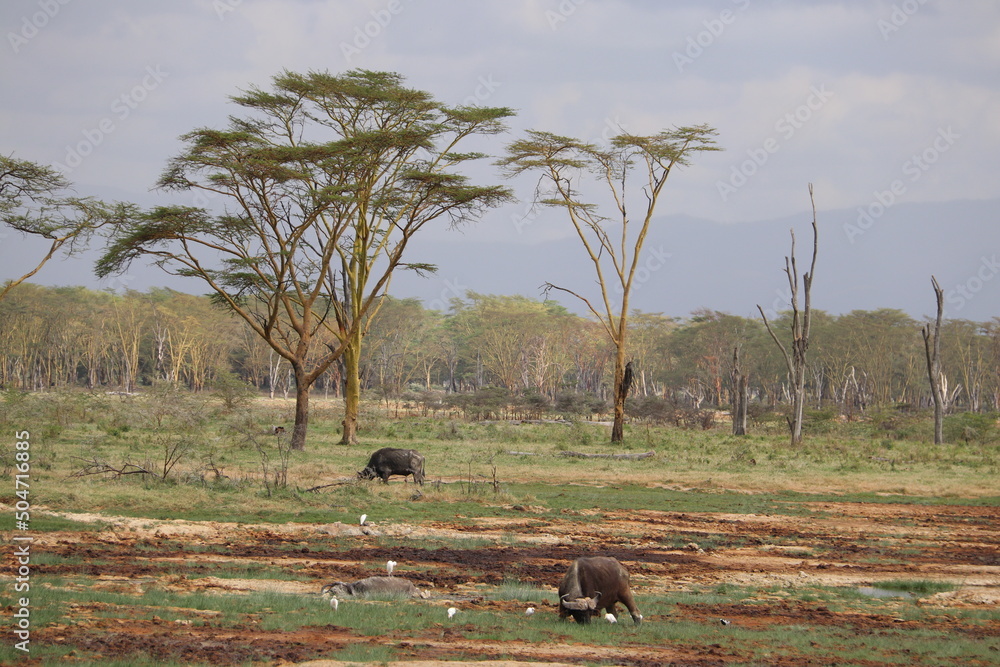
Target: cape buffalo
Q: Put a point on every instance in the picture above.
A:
(388, 586)
(391, 461)
(592, 584)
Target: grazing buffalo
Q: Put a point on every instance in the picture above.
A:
(391, 461)
(592, 584)
(375, 586)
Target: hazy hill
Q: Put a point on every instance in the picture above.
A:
(692, 264)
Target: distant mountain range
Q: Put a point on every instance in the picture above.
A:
(873, 258)
(869, 258)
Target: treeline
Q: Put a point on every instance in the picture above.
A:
(534, 354)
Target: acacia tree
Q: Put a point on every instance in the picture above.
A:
(401, 185)
(612, 243)
(317, 191)
(801, 323)
(36, 200)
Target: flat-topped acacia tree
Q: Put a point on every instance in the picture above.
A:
(316, 192)
(632, 171)
(37, 200)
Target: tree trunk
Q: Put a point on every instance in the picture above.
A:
(932, 348)
(798, 403)
(740, 395)
(623, 383)
(298, 442)
(352, 392)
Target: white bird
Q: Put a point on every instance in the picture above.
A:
(334, 603)
(610, 618)
(390, 566)
(363, 517)
(529, 611)
(452, 611)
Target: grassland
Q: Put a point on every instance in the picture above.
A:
(216, 555)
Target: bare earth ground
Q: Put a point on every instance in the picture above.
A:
(953, 543)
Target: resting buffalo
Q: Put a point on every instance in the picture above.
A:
(389, 586)
(592, 584)
(391, 461)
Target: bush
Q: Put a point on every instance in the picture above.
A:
(234, 392)
(970, 427)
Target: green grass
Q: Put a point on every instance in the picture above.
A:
(519, 590)
(917, 587)
(691, 472)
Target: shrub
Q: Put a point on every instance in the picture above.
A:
(970, 427)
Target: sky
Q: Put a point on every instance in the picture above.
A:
(877, 103)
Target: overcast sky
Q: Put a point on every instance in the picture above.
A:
(866, 99)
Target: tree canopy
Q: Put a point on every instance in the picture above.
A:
(315, 193)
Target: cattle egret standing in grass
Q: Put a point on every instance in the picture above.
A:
(334, 603)
(610, 618)
(452, 611)
(390, 566)
(529, 611)
(363, 517)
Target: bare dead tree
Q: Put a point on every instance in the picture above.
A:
(800, 325)
(932, 348)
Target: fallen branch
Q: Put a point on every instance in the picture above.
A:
(95, 467)
(631, 457)
(340, 482)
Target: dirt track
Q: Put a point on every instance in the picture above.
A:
(839, 544)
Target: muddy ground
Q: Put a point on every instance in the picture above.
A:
(838, 544)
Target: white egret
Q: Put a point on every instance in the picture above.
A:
(334, 603)
(610, 618)
(529, 611)
(390, 566)
(363, 517)
(452, 611)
